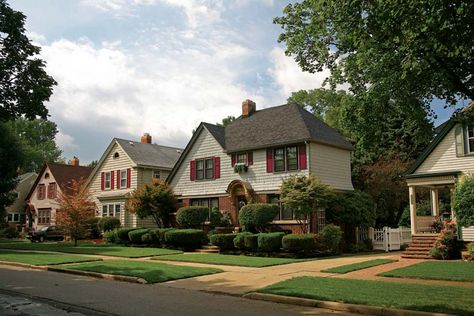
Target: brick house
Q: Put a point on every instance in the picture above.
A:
(246, 161)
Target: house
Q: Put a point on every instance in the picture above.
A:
(246, 161)
(52, 179)
(16, 212)
(125, 166)
(447, 158)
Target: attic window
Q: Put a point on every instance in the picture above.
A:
(116, 155)
(46, 175)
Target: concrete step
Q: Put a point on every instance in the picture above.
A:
(207, 250)
(418, 248)
(408, 256)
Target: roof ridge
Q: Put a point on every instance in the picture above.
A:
(300, 109)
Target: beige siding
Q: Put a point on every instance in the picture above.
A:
(468, 233)
(332, 165)
(443, 158)
(45, 203)
(207, 146)
(23, 188)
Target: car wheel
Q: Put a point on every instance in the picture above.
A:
(41, 239)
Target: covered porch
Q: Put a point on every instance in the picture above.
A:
(435, 183)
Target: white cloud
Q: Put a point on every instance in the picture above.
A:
(65, 141)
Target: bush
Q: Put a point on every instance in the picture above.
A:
(470, 248)
(366, 245)
(150, 238)
(160, 233)
(122, 234)
(447, 243)
(251, 241)
(192, 216)
(111, 236)
(270, 242)
(135, 236)
(184, 238)
(464, 201)
(216, 218)
(298, 242)
(93, 231)
(108, 223)
(257, 216)
(239, 240)
(9, 232)
(223, 241)
(331, 236)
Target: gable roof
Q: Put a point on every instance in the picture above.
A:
(280, 125)
(217, 131)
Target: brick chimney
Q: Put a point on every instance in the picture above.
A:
(74, 161)
(146, 139)
(248, 108)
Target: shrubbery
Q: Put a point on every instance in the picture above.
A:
(299, 243)
(9, 232)
(135, 236)
(239, 240)
(257, 216)
(122, 234)
(223, 241)
(270, 242)
(111, 236)
(470, 248)
(216, 218)
(192, 216)
(108, 223)
(464, 201)
(251, 242)
(330, 237)
(446, 246)
(184, 238)
(93, 231)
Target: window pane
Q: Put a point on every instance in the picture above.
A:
(279, 158)
(111, 210)
(286, 213)
(471, 145)
(292, 158)
(209, 168)
(200, 169)
(117, 210)
(214, 203)
(104, 210)
(123, 178)
(242, 158)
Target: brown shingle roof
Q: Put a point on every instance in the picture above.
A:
(64, 174)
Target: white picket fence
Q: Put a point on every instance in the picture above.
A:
(386, 239)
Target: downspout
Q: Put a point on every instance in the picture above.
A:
(308, 159)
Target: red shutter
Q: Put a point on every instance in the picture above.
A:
(48, 193)
(112, 180)
(250, 158)
(129, 176)
(234, 158)
(192, 170)
(38, 192)
(217, 167)
(269, 160)
(102, 181)
(118, 179)
(302, 156)
(55, 190)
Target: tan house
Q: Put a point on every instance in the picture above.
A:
(52, 179)
(246, 161)
(448, 157)
(125, 166)
(16, 212)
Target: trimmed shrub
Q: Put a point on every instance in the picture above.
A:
(9, 232)
(108, 223)
(331, 236)
(464, 201)
(192, 216)
(270, 242)
(299, 242)
(93, 231)
(239, 241)
(150, 238)
(111, 236)
(122, 234)
(470, 248)
(251, 241)
(216, 218)
(184, 238)
(223, 241)
(257, 216)
(135, 236)
(160, 233)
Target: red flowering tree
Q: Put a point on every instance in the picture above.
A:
(76, 208)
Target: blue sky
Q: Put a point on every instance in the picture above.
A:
(125, 67)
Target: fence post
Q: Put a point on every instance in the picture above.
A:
(385, 239)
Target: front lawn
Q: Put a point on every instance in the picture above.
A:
(152, 272)
(41, 259)
(436, 270)
(92, 249)
(229, 260)
(430, 298)
(358, 266)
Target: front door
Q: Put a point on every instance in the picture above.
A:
(240, 201)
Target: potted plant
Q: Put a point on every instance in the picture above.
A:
(240, 167)
(225, 226)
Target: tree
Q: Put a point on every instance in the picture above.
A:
(38, 142)
(226, 121)
(75, 209)
(24, 83)
(401, 49)
(305, 195)
(156, 200)
(464, 201)
(93, 164)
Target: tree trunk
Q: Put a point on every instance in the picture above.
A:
(75, 242)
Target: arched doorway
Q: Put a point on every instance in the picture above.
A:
(241, 194)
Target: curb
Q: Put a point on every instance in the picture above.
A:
(99, 275)
(23, 265)
(353, 308)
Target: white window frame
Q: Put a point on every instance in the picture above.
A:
(110, 209)
(156, 174)
(123, 178)
(109, 174)
(469, 149)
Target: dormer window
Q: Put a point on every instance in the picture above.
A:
(46, 175)
(116, 155)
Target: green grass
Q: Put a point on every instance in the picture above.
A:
(430, 298)
(9, 241)
(41, 259)
(92, 249)
(358, 266)
(436, 270)
(229, 260)
(152, 272)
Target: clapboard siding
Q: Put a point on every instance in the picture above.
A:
(468, 233)
(332, 165)
(443, 158)
(46, 202)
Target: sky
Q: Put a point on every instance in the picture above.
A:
(126, 67)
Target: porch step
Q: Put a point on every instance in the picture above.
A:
(208, 249)
(420, 247)
(408, 256)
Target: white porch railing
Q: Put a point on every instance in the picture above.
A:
(386, 239)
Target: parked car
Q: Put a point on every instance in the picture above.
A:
(46, 233)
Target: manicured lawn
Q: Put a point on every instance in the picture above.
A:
(152, 272)
(431, 298)
(358, 266)
(9, 241)
(92, 249)
(41, 259)
(229, 260)
(436, 270)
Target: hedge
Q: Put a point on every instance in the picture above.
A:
(223, 241)
(251, 241)
(150, 238)
(111, 236)
(239, 241)
(108, 223)
(192, 216)
(122, 234)
(270, 242)
(184, 238)
(330, 237)
(257, 216)
(298, 242)
(159, 234)
(135, 236)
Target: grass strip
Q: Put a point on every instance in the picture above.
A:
(152, 272)
(229, 260)
(358, 266)
(430, 298)
(436, 270)
(41, 259)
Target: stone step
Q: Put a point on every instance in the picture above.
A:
(418, 248)
(408, 256)
(414, 252)
(207, 250)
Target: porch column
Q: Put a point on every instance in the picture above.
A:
(434, 202)
(412, 194)
(453, 214)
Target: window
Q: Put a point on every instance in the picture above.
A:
(52, 190)
(16, 218)
(242, 158)
(199, 169)
(44, 216)
(205, 169)
(107, 180)
(279, 158)
(41, 192)
(123, 178)
(210, 203)
(285, 159)
(111, 209)
(291, 158)
(46, 175)
(116, 155)
(285, 213)
(156, 175)
(470, 138)
(209, 168)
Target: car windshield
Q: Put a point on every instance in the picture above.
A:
(44, 229)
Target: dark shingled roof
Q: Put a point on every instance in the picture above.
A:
(218, 132)
(280, 125)
(64, 174)
(152, 155)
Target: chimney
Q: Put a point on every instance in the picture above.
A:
(146, 139)
(248, 108)
(74, 161)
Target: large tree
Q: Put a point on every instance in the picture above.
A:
(400, 49)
